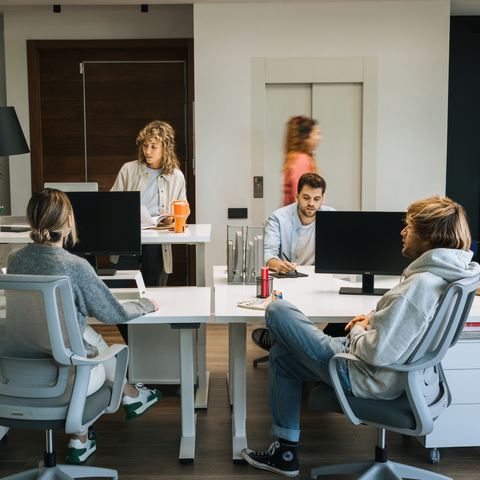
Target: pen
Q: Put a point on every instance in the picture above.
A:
(287, 259)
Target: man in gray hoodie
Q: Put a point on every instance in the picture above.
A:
(437, 237)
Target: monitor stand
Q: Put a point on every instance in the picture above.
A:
(367, 288)
(92, 260)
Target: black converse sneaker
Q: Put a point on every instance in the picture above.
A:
(261, 338)
(279, 458)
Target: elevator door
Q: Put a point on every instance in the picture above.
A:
(338, 108)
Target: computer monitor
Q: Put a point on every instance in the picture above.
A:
(108, 223)
(366, 243)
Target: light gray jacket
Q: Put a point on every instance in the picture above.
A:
(400, 320)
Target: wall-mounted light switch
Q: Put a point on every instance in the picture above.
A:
(257, 187)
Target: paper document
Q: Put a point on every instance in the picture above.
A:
(148, 221)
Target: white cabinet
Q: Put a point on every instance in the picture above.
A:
(459, 425)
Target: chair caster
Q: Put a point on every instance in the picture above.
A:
(434, 456)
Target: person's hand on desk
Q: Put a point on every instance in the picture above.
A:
(281, 267)
(361, 320)
(155, 304)
(167, 220)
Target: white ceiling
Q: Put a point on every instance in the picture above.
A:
(458, 7)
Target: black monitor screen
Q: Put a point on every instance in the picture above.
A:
(108, 223)
(367, 243)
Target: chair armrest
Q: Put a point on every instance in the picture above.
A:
(353, 358)
(120, 378)
(74, 418)
(332, 367)
(111, 352)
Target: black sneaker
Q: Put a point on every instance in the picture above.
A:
(261, 338)
(279, 458)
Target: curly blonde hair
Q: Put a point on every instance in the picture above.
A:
(440, 222)
(47, 214)
(298, 131)
(161, 132)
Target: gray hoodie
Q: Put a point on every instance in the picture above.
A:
(400, 320)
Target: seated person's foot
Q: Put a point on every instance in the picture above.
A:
(279, 458)
(261, 338)
(136, 406)
(78, 452)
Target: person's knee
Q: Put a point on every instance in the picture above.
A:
(278, 315)
(274, 312)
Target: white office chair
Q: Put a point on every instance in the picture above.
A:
(426, 393)
(44, 372)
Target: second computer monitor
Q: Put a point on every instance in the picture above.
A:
(108, 223)
(366, 243)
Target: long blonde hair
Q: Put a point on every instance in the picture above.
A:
(47, 214)
(298, 131)
(161, 132)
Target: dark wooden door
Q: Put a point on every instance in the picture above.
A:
(89, 100)
(120, 98)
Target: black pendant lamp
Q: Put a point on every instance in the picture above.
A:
(12, 140)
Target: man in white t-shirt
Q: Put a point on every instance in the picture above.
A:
(290, 232)
(290, 235)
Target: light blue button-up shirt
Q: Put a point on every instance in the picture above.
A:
(283, 231)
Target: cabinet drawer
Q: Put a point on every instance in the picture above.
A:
(464, 385)
(458, 426)
(465, 354)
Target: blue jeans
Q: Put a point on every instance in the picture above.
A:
(301, 354)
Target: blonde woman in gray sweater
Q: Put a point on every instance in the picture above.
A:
(52, 223)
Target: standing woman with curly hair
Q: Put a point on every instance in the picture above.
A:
(157, 176)
(302, 138)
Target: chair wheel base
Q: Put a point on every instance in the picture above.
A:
(371, 470)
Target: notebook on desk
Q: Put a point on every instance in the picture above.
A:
(288, 275)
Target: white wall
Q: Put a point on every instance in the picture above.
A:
(4, 173)
(411, 40)
(74, 23)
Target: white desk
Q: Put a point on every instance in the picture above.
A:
(179, 305)
(196, 235)
(316, 295)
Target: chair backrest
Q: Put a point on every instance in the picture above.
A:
(427, 388)
(39, 335)
(447, 324)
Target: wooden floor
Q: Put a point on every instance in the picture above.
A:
(147, 447)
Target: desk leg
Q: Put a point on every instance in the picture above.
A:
(201, 397)
(239, 417)
(230, 364)
(187, 444)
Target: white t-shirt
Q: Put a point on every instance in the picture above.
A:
(305, 251)
(150, 194)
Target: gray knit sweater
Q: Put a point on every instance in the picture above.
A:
(91, 296)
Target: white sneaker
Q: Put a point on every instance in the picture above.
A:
(134, 407)
(78, 452)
